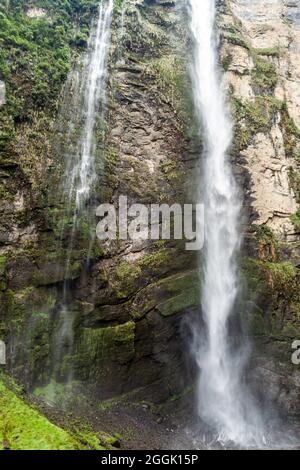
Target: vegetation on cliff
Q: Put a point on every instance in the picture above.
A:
(36, 54)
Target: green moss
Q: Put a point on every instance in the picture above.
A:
(28, 320)
(99, 347)
(297, 155)
(257, 323)
(146, 30)
(294, 177)
(36, 53)
(171, 80)
(226, 61)
(33, 300)
(258, 113)
(252, 117)
(108, 405)
(264, 74)
(29, 303)
(48, 277)
(172, 295)
(155, 260)
(23, 428)
(127, 277)
(111, 158)
(291, 329)
(180, 282)
(169, 72)
(118, 4)
(3, 279)
(3, 261)
(234, 35)
(291, 133)
(95, 441)
(282, 278)
(127, 270)
(273, 307)
(267, 243)
(181, 302)
(295, 219)
(264, 234)
(268, 51)
(54, 392)
(97, 250)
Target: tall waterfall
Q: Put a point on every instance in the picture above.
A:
(83, 172)
(224, 402)
(84, 111)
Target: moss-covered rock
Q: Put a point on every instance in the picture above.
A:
(28, 330)
(264, 75)
(3, 278)
(274, 311)
(23, 428)
(295, 219)
(253, 117)
(170, 296)
(98, 349)
(128, 275)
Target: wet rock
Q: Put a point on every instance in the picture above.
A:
(2, 94)
(260, 55)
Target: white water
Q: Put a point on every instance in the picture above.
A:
(89, 100)
(83, 173)
(224, 402)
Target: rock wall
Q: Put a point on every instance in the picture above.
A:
(128, 306)
(139, 291)
(260, 48)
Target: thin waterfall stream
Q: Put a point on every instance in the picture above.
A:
(224, 401)
(89, 97)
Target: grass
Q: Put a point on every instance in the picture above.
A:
(23, 428)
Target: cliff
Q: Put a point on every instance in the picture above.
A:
(134, 304)
(260, 56)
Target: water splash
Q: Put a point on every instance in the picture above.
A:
(224, 400)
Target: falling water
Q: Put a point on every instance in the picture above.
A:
(224, 401)
(83, 172)
(87, 89)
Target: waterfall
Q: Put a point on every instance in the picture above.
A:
(83, 172)
(85, 110)
(224, 402)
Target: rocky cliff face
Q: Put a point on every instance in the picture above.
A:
(265, 66)
(130, 306)
(260, 49)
